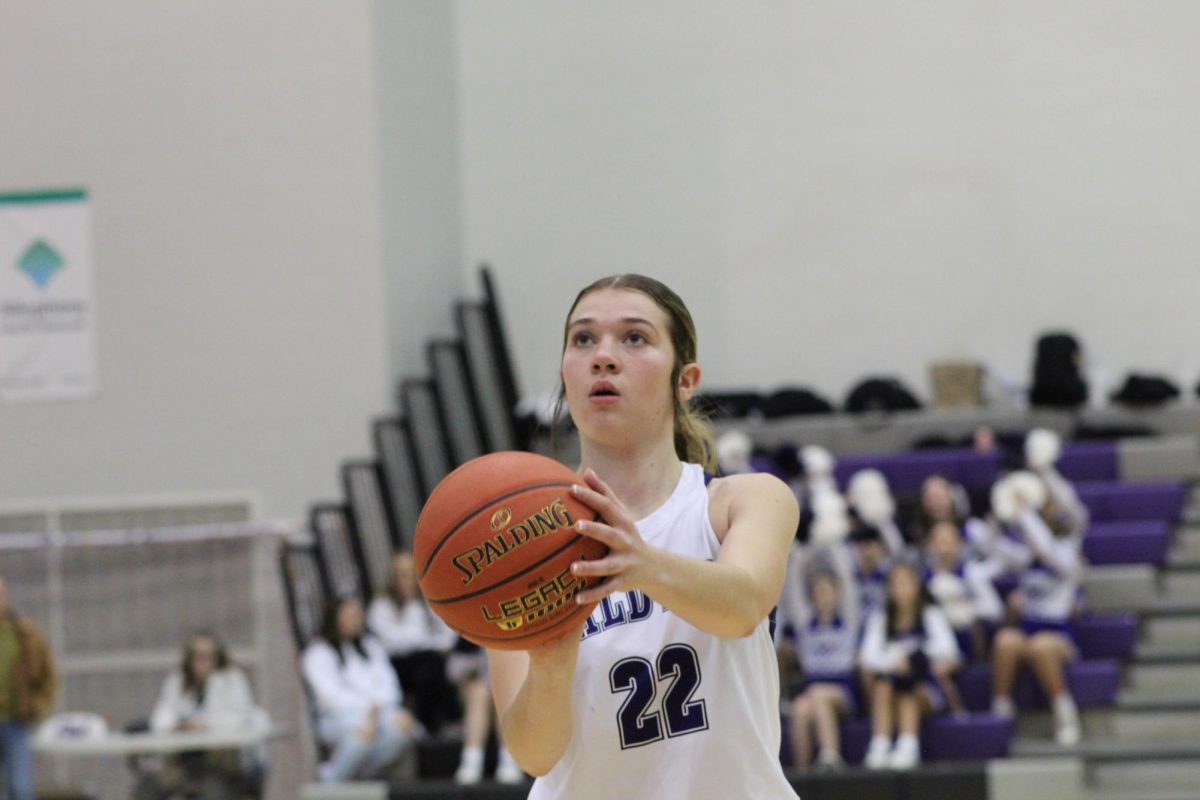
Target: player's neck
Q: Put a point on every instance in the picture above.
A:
(642, 477)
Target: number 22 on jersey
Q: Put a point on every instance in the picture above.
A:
(678, 668)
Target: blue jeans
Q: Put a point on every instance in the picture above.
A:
(17, 759)
(356, 758)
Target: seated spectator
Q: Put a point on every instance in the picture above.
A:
(869, 566)
(419, 643)
(909, 647)
(963, 589)
(826, 645)
(1045, 598)
(206, 692)
(28, 685)
(943, 501)
(357, 695)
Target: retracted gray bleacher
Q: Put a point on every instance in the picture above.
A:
(431, 442)
(306, 590)
(370, 521)
(456, 391)
(401, 477)
(341, 561)
(487, 373)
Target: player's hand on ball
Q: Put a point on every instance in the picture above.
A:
(629, 561)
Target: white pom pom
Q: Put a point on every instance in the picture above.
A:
(830, 521)
(1042, 448)
(1015, 493)
(866, 482)
(733, 452)
(869, 494)
(818, 462)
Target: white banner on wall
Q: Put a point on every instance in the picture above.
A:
(47, 299)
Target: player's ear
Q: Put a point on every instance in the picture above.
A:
(688, 383)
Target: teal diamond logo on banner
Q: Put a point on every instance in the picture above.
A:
(40, 263)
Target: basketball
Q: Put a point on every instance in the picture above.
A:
(494, 545)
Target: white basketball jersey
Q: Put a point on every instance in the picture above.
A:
(662, 709)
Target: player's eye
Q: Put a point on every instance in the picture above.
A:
(581, 338)
(635, 337)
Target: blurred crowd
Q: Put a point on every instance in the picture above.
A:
(884, 604)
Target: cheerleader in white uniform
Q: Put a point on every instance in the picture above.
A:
(909, 647)
(1047, 595)
(671, 689)
(826, 644)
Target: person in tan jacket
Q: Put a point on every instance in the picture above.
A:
(28, 686)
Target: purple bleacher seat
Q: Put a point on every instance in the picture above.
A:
(905, 472)
(1106, 635)
(975, 736)
(856, 735)
(1089, 461)
(979, 470)
(1144, 542)
(1093, 683)
(1135, 501)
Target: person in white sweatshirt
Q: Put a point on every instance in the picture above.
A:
(207, 692)
(432, 665)
(358, 698)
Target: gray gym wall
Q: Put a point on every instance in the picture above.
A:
(287, 196)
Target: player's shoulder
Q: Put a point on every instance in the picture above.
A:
(750, 486)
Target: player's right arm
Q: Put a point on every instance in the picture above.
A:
(532, 692)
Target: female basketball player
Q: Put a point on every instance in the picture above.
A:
(671, 689)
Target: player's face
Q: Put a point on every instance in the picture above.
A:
(617, 366)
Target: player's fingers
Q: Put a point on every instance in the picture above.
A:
(605, 505)
(598, 568)
(600, 591)
(605, 534)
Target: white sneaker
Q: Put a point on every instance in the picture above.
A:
(906, 754)
(1003, 707)
(469, 773)
(877, 753)
(829, 761)
(1066, 722)
(507, 771)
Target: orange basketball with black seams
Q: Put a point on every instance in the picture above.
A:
(494, 546)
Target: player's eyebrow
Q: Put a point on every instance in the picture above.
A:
(627, 320)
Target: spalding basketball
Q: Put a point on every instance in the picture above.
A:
(494, 546)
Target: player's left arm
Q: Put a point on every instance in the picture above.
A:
(726, 597)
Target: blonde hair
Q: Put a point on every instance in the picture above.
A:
(693, 437)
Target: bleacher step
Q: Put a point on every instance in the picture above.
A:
(1119, 587)
(1146, 777)
(1120, 724)
(1179, 681)
(1175, 633)
(1181, 586)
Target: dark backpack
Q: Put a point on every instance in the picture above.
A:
(1145, 390)
(1057, 380)
(880, 394)
(728, 405)
(795, 402)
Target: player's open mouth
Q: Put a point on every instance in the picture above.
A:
(603, 393)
